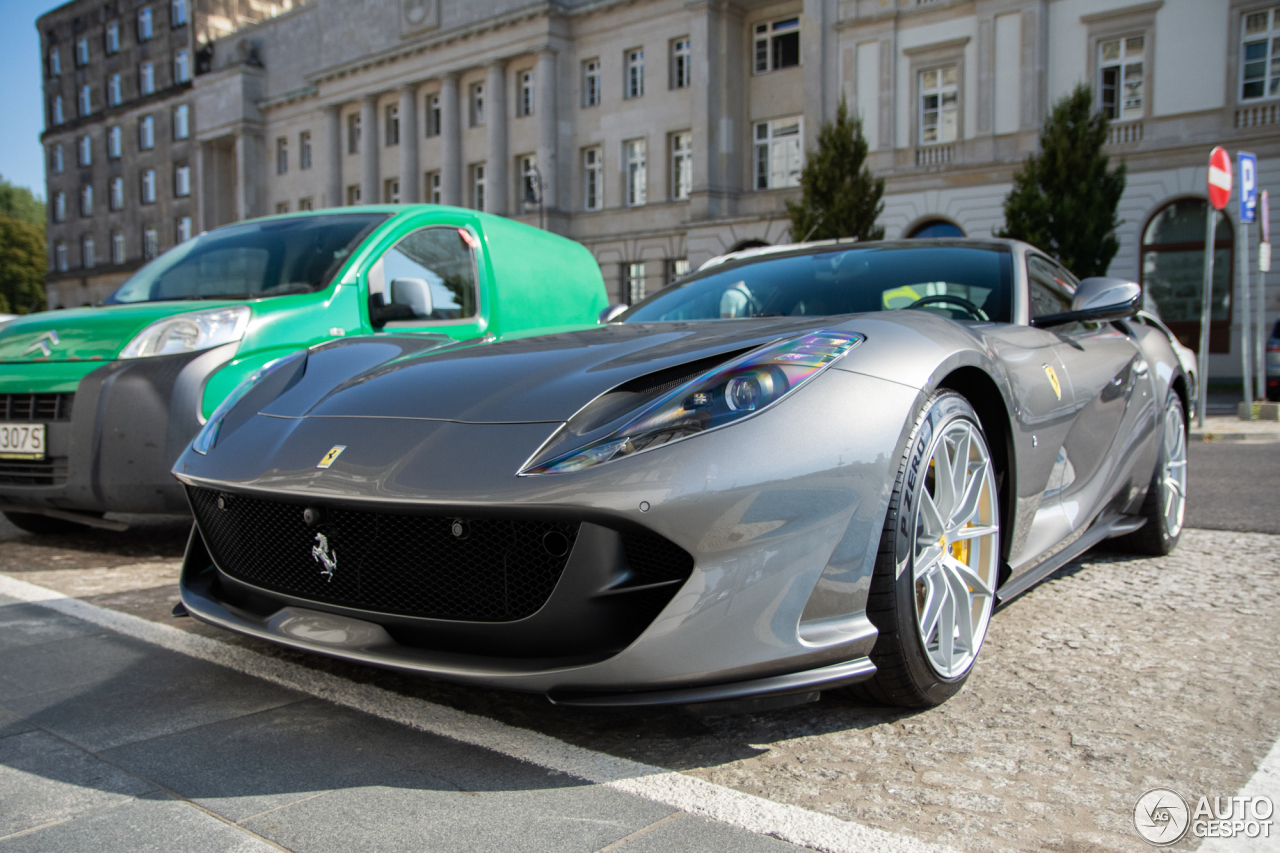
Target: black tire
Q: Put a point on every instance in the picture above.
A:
(904, 676)
(1158, 537)
(43, 525)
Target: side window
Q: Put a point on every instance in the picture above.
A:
(429, 275)
(1048, 292)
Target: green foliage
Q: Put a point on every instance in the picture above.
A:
(19, 203)
(841, 198)
(22, 266)
(1063, 199)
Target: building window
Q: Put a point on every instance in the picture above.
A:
(178, 12)
(282, 207)
(146, 133)
(635, 283)
(85, 148)
(353, 133)
(476, 100)
(677, 268)
(82, 51)
(86, 100)
(592, 178)
(1120, 78)
(777, 45)
(939, 105)
(591, 83)
(935, 228)
(637, 171)
(112, 41)
(60, 256)
(1172, 271)
(182, 181)
(60, 207)
(392, 124)
(144, 23)
(1260, 52)
(353, 195)
(88, 257)
(433, 115)
(150, 242)
(524, 107)
(778, 153)
(181, 66)
(149, 186)
(681, 63)
(115, 93)
(304, 150)
(182, 231)
(147, 78)
(433, 187)
(527, 170)
(117, 247)
(86, 200)
(681, 165)
(282, 155)
(55, 158)
(181, 121)
(391, 191)
(477, 186)
(116, 201)
(55, 62)
(634, 85)
(115, 138)
(306, 203)
(56, 110)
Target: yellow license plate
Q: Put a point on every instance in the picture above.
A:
(22, 441)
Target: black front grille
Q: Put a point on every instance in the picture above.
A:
(36, 407)
(34, 472)
(442, 567)
(655, 558)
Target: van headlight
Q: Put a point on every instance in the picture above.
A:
(189, 332)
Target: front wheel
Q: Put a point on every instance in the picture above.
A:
(935, 579)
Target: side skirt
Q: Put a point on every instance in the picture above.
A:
(1117, 526)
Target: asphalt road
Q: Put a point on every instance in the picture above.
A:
(122, 728)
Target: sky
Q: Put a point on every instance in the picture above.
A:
(21, 156)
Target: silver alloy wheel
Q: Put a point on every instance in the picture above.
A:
(1173, 480)
(957, 549)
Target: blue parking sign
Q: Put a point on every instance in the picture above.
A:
(1248, 166)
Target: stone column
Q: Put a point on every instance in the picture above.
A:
(250, 154)
(200, 196)
(410, 135)
(719, 128)
(370, 191)
(544, 105)
(450, 141)
(495, 118)
(333, 155)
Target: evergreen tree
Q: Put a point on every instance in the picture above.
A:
(19, 203)
(841, 198)
(1063, 199)
(22, 266)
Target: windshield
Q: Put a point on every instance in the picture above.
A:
(254, 260)
(964, 282)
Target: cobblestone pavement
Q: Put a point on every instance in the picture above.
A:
(1117, 675)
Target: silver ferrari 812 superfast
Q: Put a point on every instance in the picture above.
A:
(786, 473)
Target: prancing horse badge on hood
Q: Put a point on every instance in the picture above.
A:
(337, 449)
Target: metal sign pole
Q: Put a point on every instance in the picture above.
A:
(1206, 305)
(1260, 332)
(1246, 327)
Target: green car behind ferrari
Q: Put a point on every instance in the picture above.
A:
(97, 403)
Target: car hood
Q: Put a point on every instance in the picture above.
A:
(85, 334)
(541, 379)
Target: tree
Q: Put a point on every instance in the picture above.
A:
(22, 266)
(1063, 199)
(841, 198)
(19, 203)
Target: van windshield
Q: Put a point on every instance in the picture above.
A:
(251, 261)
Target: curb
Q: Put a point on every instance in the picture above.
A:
(1256, 438)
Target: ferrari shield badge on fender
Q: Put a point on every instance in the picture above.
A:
(337, 449)
(1049, 371)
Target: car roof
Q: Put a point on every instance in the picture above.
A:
(793, 249)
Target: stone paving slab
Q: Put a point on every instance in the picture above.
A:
(1235, 429)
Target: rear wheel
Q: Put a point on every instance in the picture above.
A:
(43, 524)
(934, 584)
(1166, 502)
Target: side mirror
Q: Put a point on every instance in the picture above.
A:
(608, 314)
(1098, 299)
(414, 293)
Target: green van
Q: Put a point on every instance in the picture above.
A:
(97, 403)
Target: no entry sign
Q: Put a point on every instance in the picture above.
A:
(1219, 178)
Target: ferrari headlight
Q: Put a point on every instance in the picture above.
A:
(195, 330)
(208, 435)
(728, 394)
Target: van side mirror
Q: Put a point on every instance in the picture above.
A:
(613, 311)
(413, 292)
(1098, 299)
